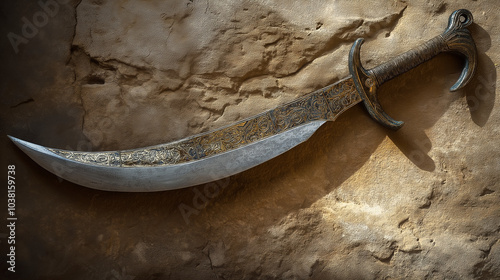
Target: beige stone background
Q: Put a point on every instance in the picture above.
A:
(356, 201)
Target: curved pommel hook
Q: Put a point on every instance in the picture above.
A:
(456, 38)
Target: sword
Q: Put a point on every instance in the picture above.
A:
(242, 145)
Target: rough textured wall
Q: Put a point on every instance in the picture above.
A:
(356, 201)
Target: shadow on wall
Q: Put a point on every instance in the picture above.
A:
(480, 93)
(260, 196)
(73, 230)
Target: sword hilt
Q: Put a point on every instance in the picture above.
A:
(456, 38)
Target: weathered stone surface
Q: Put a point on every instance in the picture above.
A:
(354, 202)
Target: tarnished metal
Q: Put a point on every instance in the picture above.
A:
(204, 157)
(237, 147)
(169, 177)
(322, 105)
(456, 38)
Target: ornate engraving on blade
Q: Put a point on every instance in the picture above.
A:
(341, 97)
(96, 158)
(323, 104)
(308, 108)
(202, 146)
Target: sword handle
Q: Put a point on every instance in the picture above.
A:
(456, 38)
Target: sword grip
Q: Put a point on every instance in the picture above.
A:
(456, 38)
(408, 60)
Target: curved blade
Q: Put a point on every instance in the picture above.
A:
(167, 177)
(204, 157)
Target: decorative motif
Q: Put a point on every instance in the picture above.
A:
(202, 145)
(305, 109)
(96, 158)
(456, 38)
(341, 97)
(323, 104)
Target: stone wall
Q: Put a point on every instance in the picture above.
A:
(355, 201)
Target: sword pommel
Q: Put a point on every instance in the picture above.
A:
(456, 38)
(459, 40)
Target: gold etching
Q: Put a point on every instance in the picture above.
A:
(96, 158)
(341, 97)
(303, 110)
(323, 104)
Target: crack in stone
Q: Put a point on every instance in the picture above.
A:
(29, 100)
(206, 252)
(75, 14)
(70, 56)
(480, 268)
(211, 265)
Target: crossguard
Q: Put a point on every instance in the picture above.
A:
(456, 38)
